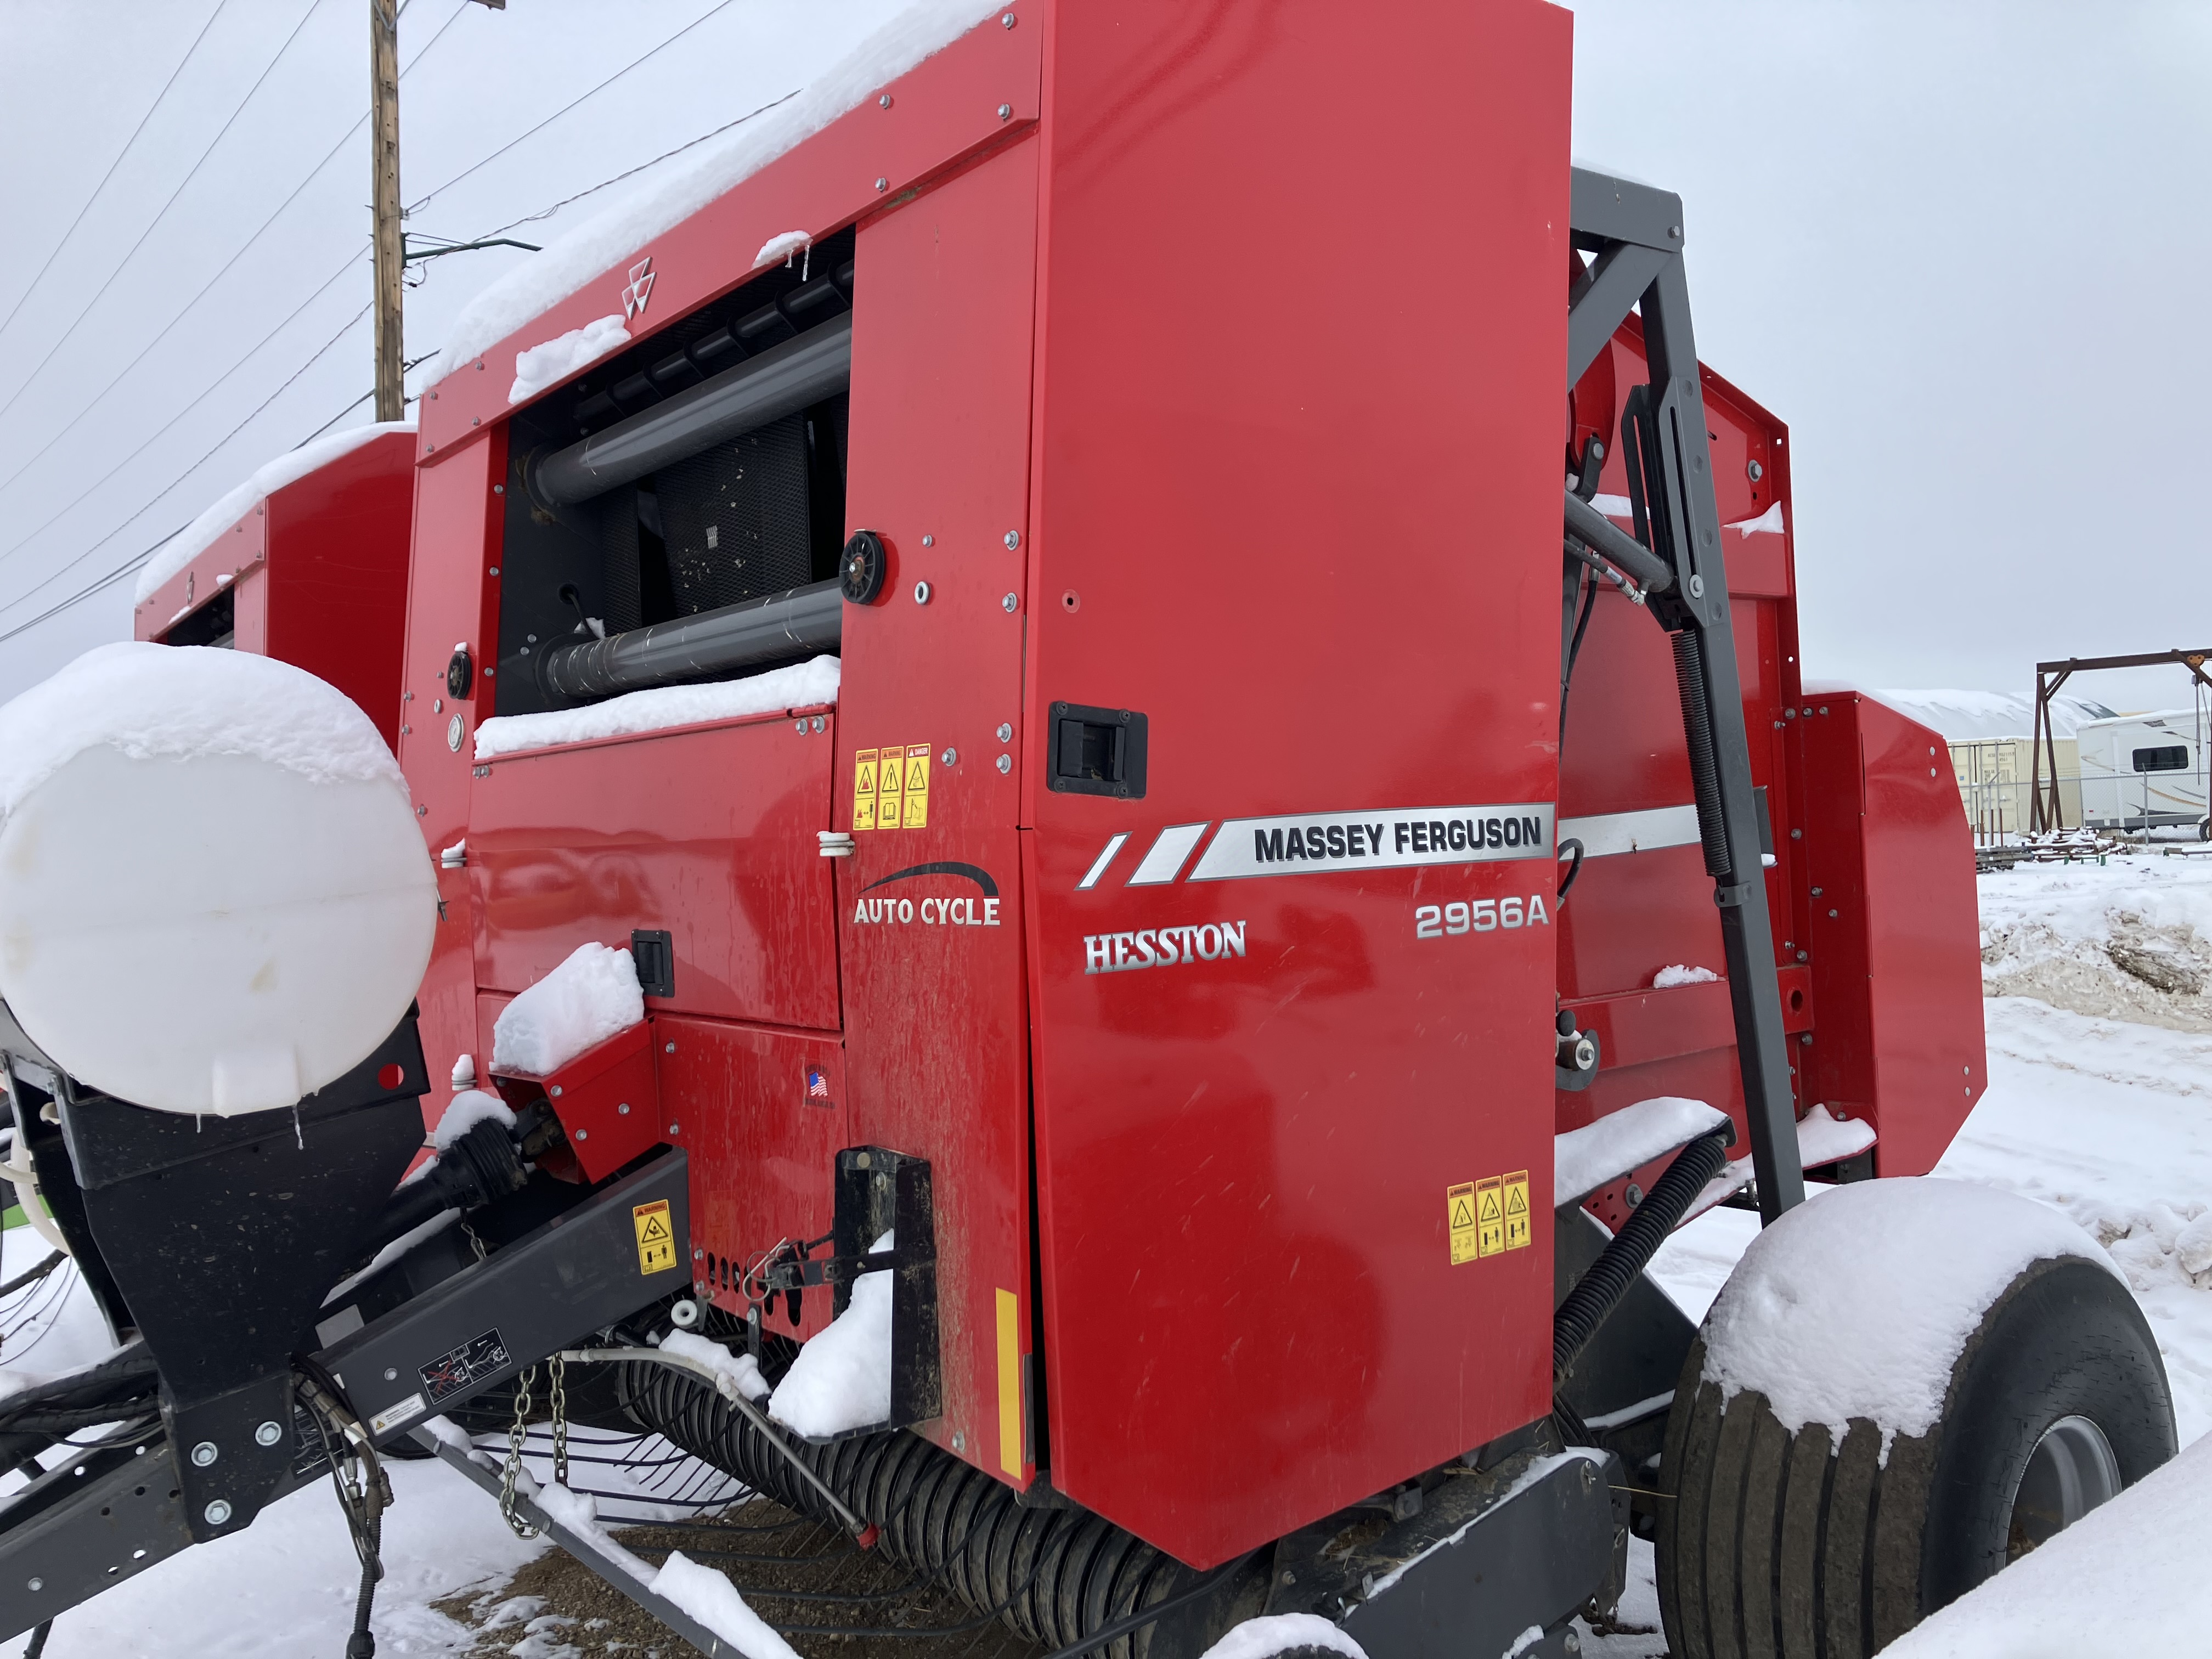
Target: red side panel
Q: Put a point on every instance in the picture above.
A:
(708, 833)
(1896, 966)
(1297, 502)
(450, 601)
(937, 1061)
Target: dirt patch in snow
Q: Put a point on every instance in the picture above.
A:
(555, 1608)
(2130, 939)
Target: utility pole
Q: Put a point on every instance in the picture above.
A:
(384, 182)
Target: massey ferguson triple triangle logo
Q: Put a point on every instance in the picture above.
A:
(640, 290)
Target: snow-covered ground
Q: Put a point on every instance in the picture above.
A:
(2108, 1119)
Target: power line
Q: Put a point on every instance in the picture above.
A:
(154, 223)
(689, 143)
(229, 265)
(422, 200)
(159, 99)
(62, 570)
(62, 511)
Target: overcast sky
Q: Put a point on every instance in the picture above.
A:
(1958, 248)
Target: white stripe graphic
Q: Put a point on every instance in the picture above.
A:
(1632, 832)
(1099, 865)
(1168, 853)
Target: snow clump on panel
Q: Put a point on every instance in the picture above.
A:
(1584, 1159)
(580, 1004)
(802, 685)
(781, 247)
(1811, 1319)
(599, 245)
(841, 1379)
(1280, 1632)
(183, 831)
(188, 543)
(540, 366)
(1667, 978)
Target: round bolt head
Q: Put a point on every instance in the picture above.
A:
(204, 1453)
(821, 723)
(948, 757)
(1697, 587)
(583, 1134)
(218, 1512)
(390, 1375)
(1755, 469)
(1006, 112)
(670, 1050)
(268, 1434)
(1010, 604)
(922, 592)
(1006, 763)
(1013, 540)
(884, 102)
(883, 183)
(929, 541)
(453, 734)
(38, 1583)
(1006, 731)
(622, 1110)
(1007, 22)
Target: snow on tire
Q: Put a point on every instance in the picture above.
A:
(1906, 1384)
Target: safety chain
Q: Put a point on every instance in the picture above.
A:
(559, 1368)
(515, 1431)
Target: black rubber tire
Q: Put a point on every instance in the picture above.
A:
(1785, 1546)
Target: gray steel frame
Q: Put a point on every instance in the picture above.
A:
(1634, 233)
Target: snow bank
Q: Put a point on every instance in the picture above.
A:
(1667, 978)
(802, 685)
(540, 366)
(841, 1379)
(740, 1371)
(2124, 940)
(1262, 1638)
(213, 894)
(580, 1004)
(1584, 1159)
(600, 244)
(1811, 1317)
(2127, 1578)
(188, 543)
(465, 1111)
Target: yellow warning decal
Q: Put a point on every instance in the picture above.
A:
(890, 777)
(917, 787)
(864, 790)
(656, 1238)
(1010, 1383)
(1489, 1216)
(1517, 1210)
(1458, 1212)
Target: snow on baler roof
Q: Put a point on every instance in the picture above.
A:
(233, 504)
(604, 242)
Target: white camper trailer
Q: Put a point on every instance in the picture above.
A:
(2145, 771)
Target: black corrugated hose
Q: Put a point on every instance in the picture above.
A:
(1061, 1577)
(1598, 1291)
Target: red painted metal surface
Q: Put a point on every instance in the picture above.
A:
(1308, 518)
(937, 1060)
(708, 832)
(1142, 388)
(608, 1100)
(1897, 966)
(316, 571)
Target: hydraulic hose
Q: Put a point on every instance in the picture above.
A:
(1062, 1575)
(1598, 1291)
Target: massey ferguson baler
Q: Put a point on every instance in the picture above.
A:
(1185, 702)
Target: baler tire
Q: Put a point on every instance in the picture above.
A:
(1772, 1543)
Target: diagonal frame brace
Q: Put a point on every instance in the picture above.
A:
(1636, 234)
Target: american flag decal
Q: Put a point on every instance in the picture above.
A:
(818, 1085)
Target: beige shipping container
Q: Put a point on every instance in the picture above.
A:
(1994, 777)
